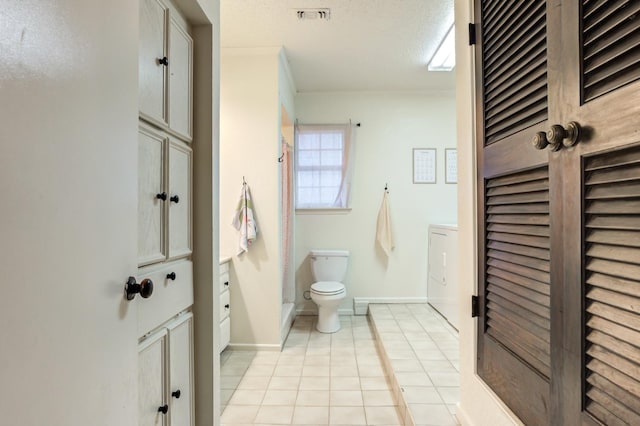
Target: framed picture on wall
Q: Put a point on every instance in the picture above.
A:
(424, 165)
(450, 165)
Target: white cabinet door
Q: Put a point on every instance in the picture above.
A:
(180, 80)
(152, 73)
(179, 200)
(181, 371)
(152, 361)
(151, 207)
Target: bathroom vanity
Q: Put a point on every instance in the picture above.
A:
(442, 280)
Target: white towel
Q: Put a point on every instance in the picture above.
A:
(384, 236)
(244, 221)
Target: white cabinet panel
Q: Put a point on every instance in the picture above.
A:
(225, 306)
(179, 200)
(152, 73)
(170, 296)
(180, 80)
(152, 380)
(225, 333)
(151, 209)
(181, 371)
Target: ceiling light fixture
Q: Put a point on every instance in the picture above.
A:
(445, 57)
(324, 14)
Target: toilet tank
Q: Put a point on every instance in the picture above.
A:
(329, 265)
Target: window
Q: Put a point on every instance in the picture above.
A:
(324, 155)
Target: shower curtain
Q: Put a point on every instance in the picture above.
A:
(288, 288)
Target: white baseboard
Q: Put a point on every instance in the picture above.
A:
(462, 416)
(314, 312)
(253, 347)
(361, 304)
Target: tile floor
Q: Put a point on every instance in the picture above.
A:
(340, 378)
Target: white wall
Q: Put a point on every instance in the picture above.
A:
(250, 105)
(392, 125)
(478, 404)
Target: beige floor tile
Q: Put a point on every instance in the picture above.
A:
(349, 416)
(421, 395)
(374, 383)
(280, 415)
(371, 371)
(260, 370)
(239, 414)
(316, 371)
(254, 383)
(382, 416)
(345, 383)
(287, 370)
(317, 360)
(445, 379)
(432, 415)
(378, 398)
(342, 371)
(280, 397)
(284, 383)
(313, 398)
(438, 366)
(314, 383)
(246, 397)
(346, 398)
(229, 382)
(310, 415)
(449, 395)
(406, 365)
(413, 379)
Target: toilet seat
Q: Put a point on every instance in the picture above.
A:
(327, 288)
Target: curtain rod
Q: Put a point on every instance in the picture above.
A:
(328, 124)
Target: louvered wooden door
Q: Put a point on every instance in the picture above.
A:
(559, 230)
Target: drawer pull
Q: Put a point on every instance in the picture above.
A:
(162, 196)
(226, 306)
(226, 283)
(163, 409)
(175, 199)
(163, 61)
(176, 394)
(171, 276)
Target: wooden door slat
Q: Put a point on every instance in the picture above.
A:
(614, 174)
(519, 209)
(619, 332)
(495, 300)
(628, 303)
(614, 190)
(530, 262)
(524, 271)
(612, 160)
(626, 398)
(614, 222)
(533, 252)
(613, 207)
(541, 311)
(614, 376)
(521, 187)
(614, 253)
(519, 219)
(496, 281)
(494, 310)
(608, 309)
(540, 242)
(623, 348)
(615, 237)
(534, 345)
(613, 406)
(541, 231)
(604, 415)
(616, 284)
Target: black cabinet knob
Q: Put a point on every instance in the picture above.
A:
(176, 394)
(226, 306)
(162, 196)
(163, 409)
(175, 199)
(163, 61)
(226, 283)
(131, 288)
(172, 276)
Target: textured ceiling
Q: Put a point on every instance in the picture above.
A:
(373, 45)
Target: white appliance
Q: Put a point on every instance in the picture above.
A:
(442, 281)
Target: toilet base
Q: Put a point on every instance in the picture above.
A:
(328, 320)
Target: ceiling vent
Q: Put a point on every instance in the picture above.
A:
(324, 14)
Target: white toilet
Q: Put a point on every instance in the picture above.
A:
(328, 268)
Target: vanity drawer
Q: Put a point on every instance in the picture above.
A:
(170, 296)
(224, 281)
(225, 306)
(225, 333)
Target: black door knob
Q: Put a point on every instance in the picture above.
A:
(131, 288)
(163, 61)
(162, 196)
(163, 409)
(175, 199)
(176, 394)
(171, 276)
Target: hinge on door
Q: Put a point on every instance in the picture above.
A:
(472, 34)
(474, 306)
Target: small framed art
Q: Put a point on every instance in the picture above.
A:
(424, 165)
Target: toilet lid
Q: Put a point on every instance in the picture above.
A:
(327, 287)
